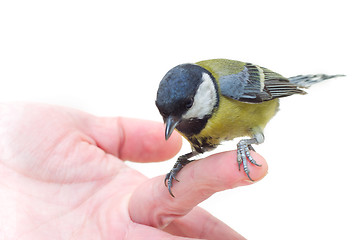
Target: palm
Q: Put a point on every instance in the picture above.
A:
(62, 178)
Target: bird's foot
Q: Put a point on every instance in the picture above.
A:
(171, 176)
(243, 155)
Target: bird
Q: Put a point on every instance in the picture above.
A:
(216, 100)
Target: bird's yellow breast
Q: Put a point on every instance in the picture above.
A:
(237, 119)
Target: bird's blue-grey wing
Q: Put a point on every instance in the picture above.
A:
(245, 86)
(255, 84)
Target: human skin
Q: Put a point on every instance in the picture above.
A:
(64, 176)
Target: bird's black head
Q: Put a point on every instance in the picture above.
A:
(187, 94)
(177, 89)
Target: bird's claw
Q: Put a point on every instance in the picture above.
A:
(171, 176)
(243, 156)
(169, 181)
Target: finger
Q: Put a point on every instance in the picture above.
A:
(133, 139)
(201, 224)
(151, 203)
(141, 232)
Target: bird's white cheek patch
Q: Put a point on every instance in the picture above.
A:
(204, 100)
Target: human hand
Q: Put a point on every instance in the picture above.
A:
(63, 176)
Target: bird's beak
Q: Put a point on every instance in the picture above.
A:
(171, 122)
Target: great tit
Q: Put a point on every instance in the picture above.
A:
(216, 100)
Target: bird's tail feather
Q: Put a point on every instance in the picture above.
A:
(305, 81)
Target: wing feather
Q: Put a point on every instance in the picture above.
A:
(256, 84)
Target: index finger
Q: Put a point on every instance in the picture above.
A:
(151, 203)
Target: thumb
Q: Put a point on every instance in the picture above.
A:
(132, 139)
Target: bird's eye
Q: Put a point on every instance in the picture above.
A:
(189, 103)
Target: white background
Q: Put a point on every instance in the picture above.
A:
(107, 58)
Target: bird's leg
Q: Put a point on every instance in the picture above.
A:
(180, 163)
(243, 152)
